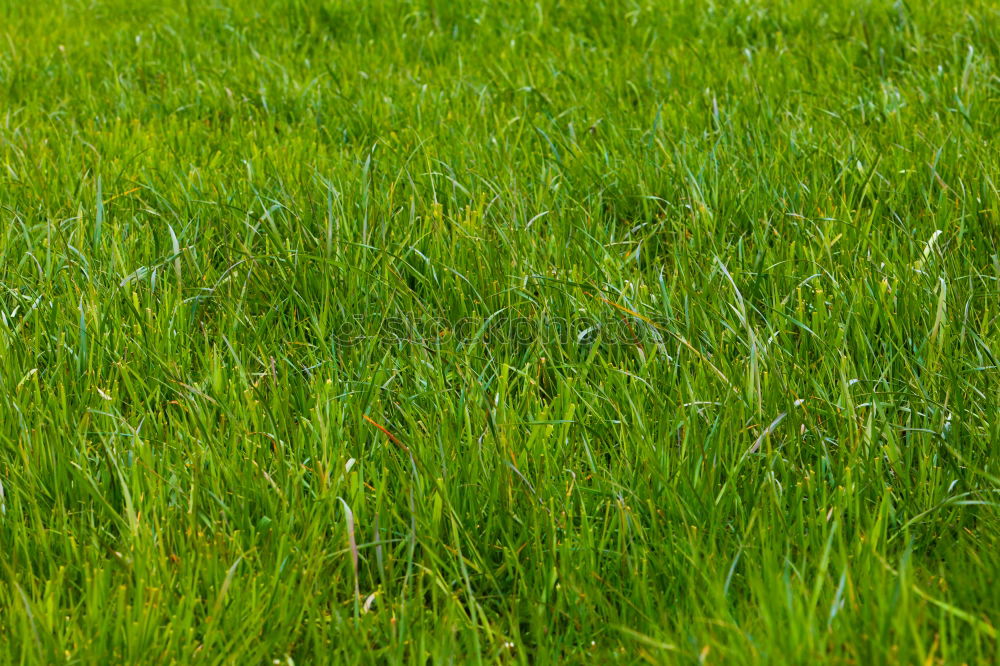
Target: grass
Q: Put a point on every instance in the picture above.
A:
(419, 331)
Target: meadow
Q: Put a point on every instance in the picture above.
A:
(485, 331)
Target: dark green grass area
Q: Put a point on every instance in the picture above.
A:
(426, 331)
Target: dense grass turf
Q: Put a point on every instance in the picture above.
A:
(417, 330)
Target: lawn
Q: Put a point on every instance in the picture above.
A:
(457, 331)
